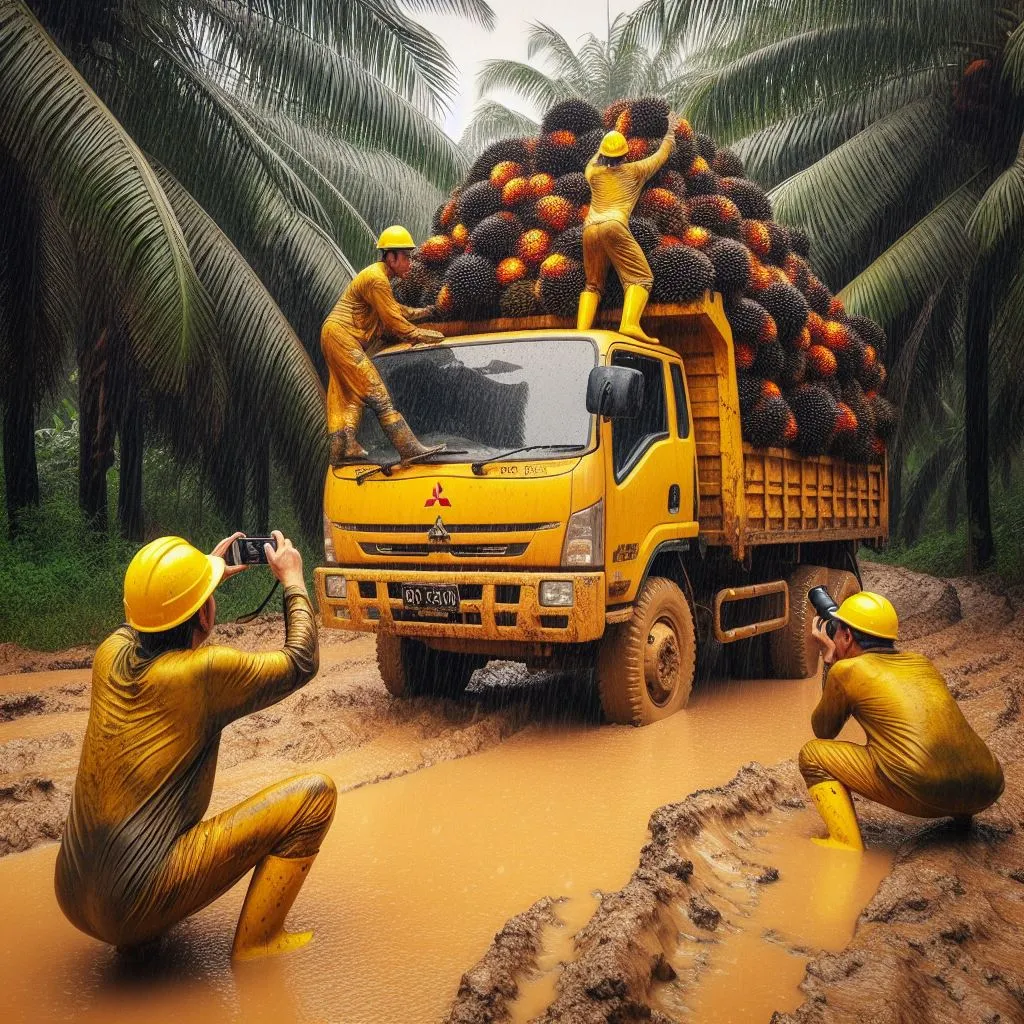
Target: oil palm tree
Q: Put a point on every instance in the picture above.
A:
(599, 71)
(892, 134)
(191, 184)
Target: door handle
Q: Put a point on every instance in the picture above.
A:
(673, 499)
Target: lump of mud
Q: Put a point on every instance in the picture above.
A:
(702, 914)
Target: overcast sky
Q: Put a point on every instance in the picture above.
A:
(470, 45)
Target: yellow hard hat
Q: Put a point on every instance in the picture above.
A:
(869, 613)
(167, 582)
(395, 237)
(614, 144)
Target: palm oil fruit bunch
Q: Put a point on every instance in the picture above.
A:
(507, 242)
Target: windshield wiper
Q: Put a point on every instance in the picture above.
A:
(387, 468)
(478, 467)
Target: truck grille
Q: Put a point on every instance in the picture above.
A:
(421, 528)
(456, 550)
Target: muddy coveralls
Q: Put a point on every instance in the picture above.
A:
(136, 856)
(614, 191)
(921, 757)
(350, 335)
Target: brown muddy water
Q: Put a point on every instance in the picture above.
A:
(419, 872)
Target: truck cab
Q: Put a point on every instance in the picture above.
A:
(556, 527)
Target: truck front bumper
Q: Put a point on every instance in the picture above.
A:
(493, 606)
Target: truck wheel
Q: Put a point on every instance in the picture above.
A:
(794, 651)
(411, 669)
(842, 584)
(645, 666)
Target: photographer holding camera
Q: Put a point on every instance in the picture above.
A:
(136, 857)
(921, 758)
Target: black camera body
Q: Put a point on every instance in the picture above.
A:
(826, 608)
(249, 551)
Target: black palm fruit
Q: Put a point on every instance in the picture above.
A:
(769, 361)
(727, 163)
(717, 213)
(574, 187)
(780, 246)
(560, 153)
(561, 281)
(496, 236)
(789, 309)
(818, 297)
(731, 261)
(800, 242)
(478, 202)
(473, 286)
(681, 274)
(520, 299)
(575, 115)
(815, 410)
(447, 214)
(646, 233)
(649, 117)
(747, 319)
(749, 197)
(883, 413)
(570, 242)
(705, 146)
(870, 332)
(516, 150)
(765, 426)
(794, 370)
(589, 144)
(749, 388)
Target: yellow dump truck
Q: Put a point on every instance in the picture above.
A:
(595, 511)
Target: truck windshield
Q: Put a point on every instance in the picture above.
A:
(481, 400)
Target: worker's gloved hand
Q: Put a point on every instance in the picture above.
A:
(824, 641)
(428, 337)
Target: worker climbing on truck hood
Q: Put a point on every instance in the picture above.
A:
(366, 309)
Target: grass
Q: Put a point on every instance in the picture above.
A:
(61, 582)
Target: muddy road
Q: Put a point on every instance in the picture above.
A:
(491, 860)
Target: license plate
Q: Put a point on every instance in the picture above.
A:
(441, 597)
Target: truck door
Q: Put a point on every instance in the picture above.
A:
(650, 488)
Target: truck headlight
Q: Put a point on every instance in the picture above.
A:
(556, 593)
(336, 586)
(329, 556)
(584, 537)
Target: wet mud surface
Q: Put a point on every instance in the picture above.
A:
(724, 880)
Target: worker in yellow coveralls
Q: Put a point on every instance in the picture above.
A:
(921, 757)
(615, 187)
(136, 856)
(351, 334)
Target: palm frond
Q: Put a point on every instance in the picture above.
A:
(943, 467)
(1013, 60)
(544, 41)
(997, 223)
(60, 133)
(522, 80)
(479, 12)
(492, 121)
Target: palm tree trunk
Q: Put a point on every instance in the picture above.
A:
(261, 485)
(129, 493)
(95, 447)
(21, 475)
(980, 544)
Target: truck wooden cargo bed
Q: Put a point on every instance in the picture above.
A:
(748, 496)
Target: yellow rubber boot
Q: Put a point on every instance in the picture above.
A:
(589, 301)
(836, 809)
(633, 304)
(275, 884)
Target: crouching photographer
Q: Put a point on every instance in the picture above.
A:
(136, 857)
(921, 757)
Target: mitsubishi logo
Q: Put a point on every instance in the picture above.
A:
(437, 499)
(438, 534)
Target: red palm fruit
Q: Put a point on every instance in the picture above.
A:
(541, 184)
(836, 309)
(769, 332)
(699, 166)
(883, 374)
(656, 200)
(797, 271)
(562, 138)
(684, 130)
(816, 326)
(555, 212)
(878, 448)
(696, 237)
(759, 240)
(555, 266)
(460, 235)
(623, 121)
(445, 301)
(821, 361)
(745, 355)
(837, 337)
(761, 277)
(436, 249)
(584, 210)
(870, 357)
(804, 341)
(530, 144)
(846, 419)
(448, 212)
(719, 213)
(790, 430)
(672, 180)
(769, 389)
(511, 269)
(637, 149)
(515, 191)
(504, 172)
(534, 245)
(612, 111)
(670, 240)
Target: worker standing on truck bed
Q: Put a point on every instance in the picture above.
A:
(921, 758)
(615, 187)
(365, 310)
(136, 857)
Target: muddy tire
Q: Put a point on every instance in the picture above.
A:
(645, 666)
(411, 669)
(842, 584)
(794, 652)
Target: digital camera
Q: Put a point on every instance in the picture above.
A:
(826, 608)
(249, 551)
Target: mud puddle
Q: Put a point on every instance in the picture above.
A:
(417, 873)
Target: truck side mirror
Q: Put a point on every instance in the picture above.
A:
(615, 391)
